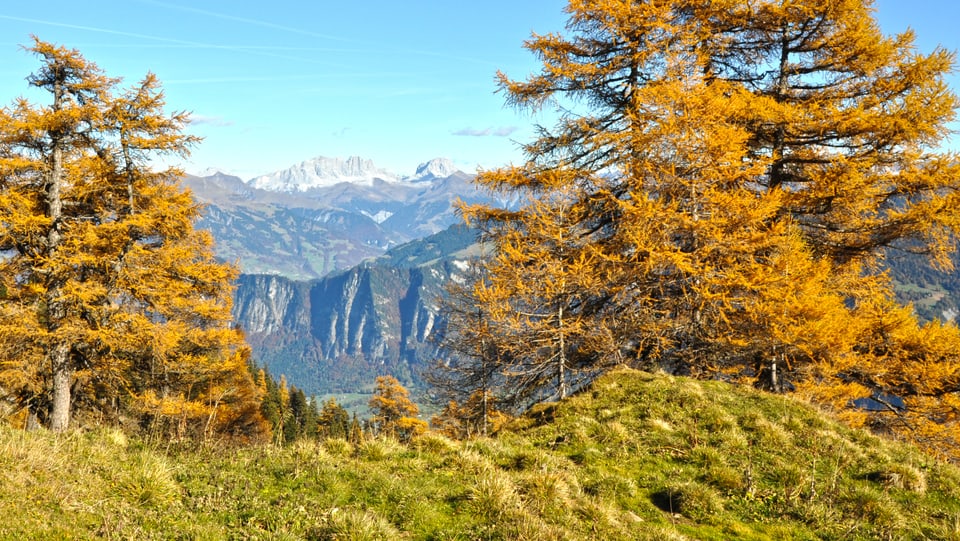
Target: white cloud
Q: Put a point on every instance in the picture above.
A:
(503, 131)
(216, 121)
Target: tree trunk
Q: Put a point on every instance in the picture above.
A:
(770, 378)
(561, 358)
(62, 376)
(59, 354)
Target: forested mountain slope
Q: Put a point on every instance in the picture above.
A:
(934, 293)
(336, 334)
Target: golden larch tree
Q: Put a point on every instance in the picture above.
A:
(733, 174)
(393, 411)
(470, 361)
(476, 417)
(536, 287)
(111, 300)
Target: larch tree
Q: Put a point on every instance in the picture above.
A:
(732, 174)
(477, 416)
(470, 362)
(39, 147)
(468, 373)
(535, 289)
(666, 241)
(333, 420)
(111, 300)
(851, 122)
(393, 411)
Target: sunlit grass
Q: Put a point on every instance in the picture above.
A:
(639, 456)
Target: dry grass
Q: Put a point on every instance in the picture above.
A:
(640, 456)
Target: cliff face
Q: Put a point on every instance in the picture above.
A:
(336, 334)
(266, 304)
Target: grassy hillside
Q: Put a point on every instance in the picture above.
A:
(639, 456)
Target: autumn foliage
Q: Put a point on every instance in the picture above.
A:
(717, 198)
(394, 414)
(477, 416)
(111, 303)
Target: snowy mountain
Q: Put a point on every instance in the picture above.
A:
(434, 169)
(324, 172)
(327, 214)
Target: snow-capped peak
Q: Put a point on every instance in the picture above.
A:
(214, 171)
(434, 169)
(321, 172)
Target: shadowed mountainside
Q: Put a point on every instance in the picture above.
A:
(337, 333)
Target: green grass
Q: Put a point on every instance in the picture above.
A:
(637, 456)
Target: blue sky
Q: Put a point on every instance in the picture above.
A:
(272, 83)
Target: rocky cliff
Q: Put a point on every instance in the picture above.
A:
(335, 334)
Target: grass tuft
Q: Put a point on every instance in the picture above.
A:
(494, 497)
(434, 443)
(900, 476)
(352, 525)
(338, 447)
(148, 481)
(379, 449)
(695, 501)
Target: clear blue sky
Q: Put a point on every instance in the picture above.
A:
(271, 83)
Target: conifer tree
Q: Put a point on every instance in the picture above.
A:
(37, 149)
(270, 406)
(476, 417)
(393, 411)
(111, 300)
(471, 357)
(356, 434)
(333, 421)
(537, 285)
(301, 422)
(732, 174)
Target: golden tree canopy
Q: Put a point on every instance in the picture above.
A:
(727, 177)
(393, 411)
(111, 301)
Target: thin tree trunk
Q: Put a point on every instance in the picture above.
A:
(59, 353)
(778, 167)
(561, 358)
(62, 376)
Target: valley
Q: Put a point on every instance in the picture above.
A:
(342, 265)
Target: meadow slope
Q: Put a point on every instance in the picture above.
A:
(636, 456)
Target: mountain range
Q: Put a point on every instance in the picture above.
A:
(323, 172)
(324, 215)
(342, 264)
